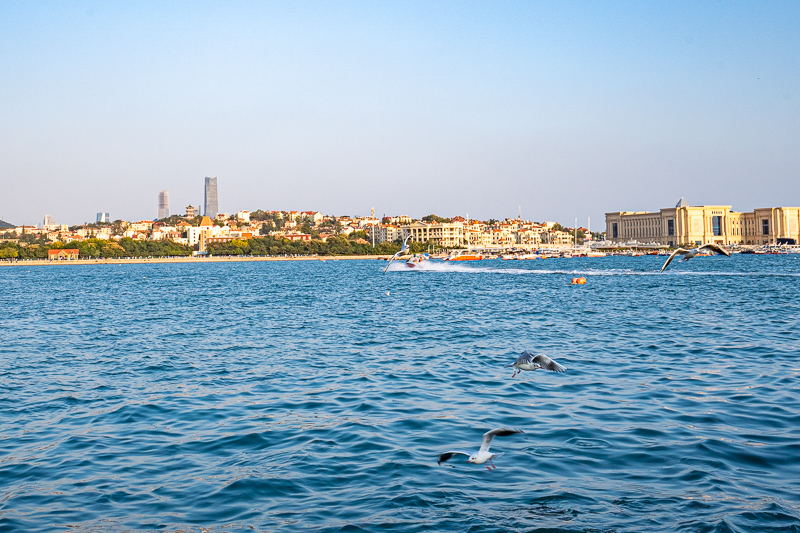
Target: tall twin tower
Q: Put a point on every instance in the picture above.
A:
(210, 200)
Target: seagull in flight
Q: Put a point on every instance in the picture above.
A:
(688, 254)
(529, 361)
(483, 454)
(401, 252)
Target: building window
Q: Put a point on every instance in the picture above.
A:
(765, 226)
(614, 231)
(716, 225)
(670, 227)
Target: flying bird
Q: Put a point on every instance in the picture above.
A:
(529, 361)
(483, 454)
(688, 254)
(401, 252)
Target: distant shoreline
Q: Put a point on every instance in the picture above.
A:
(212, 259)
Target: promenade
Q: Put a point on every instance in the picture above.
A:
(212, 259)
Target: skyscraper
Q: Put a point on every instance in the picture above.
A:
(163, 204)
(211, 203)
(103, 217)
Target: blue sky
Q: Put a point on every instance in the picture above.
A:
(563, 109)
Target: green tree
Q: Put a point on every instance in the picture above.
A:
(9, 252)
(435, 218)
(259, 215)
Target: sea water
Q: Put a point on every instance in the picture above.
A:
(316, 396)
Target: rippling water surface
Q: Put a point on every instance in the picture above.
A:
(316, 396)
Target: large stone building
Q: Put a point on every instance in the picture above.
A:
(449, 234)
(692, 225)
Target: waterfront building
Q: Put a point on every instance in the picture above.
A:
(532, 235)
(62, 255)
(163, 204)
(385, 233)
(447, 234)
(103, 217)
(199, 235)
(211, 200)
(693, 225)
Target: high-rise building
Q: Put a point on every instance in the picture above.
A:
(103, 217)
(48, 221)
(211, 202)
(163, 204)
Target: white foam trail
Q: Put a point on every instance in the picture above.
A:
(474, 268)
(430, 266)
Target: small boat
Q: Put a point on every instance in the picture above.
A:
(519, 257)
(464, 255)
(416, 260)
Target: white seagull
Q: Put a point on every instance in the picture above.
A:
(688, 254)
(402, 250)
(529, 361)
(483, 454)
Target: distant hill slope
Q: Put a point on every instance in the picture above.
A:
(6, 225)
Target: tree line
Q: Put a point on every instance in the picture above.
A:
(275, 246)
(95, 248)
(334, 245)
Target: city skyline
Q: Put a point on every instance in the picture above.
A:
(599, 225)
(567, 110)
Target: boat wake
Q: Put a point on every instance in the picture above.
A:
(436, 266)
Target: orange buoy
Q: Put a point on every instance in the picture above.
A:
(579, 281)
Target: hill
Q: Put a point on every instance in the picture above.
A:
(6, 225)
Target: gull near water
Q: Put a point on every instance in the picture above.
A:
(688, 254)
(483, 454)
(530, 361)
(399, 253)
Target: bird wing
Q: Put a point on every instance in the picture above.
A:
(716, 248)
(489, 435)
(446, 456)
(672, 256)
(548, 364)
(526, 357)
(390, 261)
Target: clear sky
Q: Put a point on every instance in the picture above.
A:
(563, 109)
